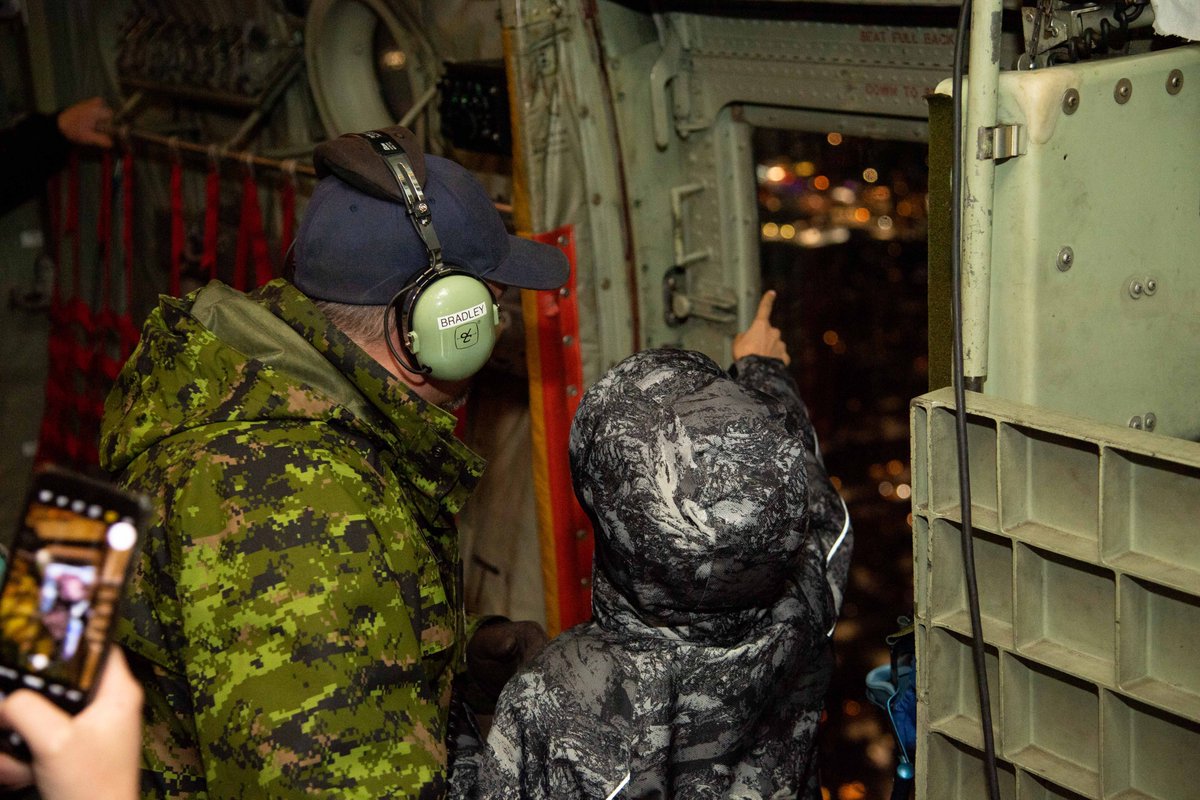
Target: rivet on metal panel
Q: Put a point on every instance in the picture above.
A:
(1123, 91)
(1136, 288)
(572, 391)
(585, 582)
(563, 241)
(580, 534)
(1135, 423)
(1149, 421)
(1151, 286)
(1066, 259)
(1175, 81)
(564, 292)
(1070, 103)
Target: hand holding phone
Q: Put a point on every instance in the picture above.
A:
(65, 575)
(93, 755)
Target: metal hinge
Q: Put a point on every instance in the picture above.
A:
(1001, 142)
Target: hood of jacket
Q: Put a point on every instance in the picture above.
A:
(219, 356)
(698, 495)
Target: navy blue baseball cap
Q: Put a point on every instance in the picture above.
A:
(361, 248)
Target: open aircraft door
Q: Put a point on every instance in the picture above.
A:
(634, 137)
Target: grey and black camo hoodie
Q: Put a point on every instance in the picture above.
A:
(721, 554)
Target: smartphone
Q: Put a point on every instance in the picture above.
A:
(66, 570)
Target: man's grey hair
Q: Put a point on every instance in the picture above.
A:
(360, 323)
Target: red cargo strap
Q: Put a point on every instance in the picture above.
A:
(127, 331)
(106, 317)
(50, 438)
(287, 210)
(177, 232)
(212, 217)
(252, 239)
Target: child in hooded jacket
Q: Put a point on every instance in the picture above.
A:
(722, 551)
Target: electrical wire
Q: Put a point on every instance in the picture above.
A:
(964, 475)
(1034, 39)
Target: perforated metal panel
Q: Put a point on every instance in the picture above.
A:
(1088, 564)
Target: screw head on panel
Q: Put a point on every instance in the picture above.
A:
(1175, 81)
(1135, 423)
(1123, 91)
(1065, 260)
(1136, 288)
(1151, 286)
(1149, 421)
(1070, 101)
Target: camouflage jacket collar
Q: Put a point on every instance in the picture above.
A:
(218, 356)
(418, 433)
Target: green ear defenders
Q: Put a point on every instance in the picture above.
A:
(447, 323)
(446, 319)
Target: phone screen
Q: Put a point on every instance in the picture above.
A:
(66, 571)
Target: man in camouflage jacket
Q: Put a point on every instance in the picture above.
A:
(296, 617)
(722, 551)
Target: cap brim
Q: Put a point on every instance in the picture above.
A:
(531, 265)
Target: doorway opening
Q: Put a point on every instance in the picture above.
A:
(843, 241)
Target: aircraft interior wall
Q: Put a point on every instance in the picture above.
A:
(687, 156)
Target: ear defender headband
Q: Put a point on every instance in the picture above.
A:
(446, 318)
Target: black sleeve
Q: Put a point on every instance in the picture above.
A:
(30, 152)
(829, 520)
(771, 376)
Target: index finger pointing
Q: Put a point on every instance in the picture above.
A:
(764, 306)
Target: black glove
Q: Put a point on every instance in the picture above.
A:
(498, 649)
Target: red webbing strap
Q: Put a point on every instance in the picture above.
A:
(54, 193)
(101, 343)
(78, 320)
(127, 226)
(104, 229)
(126, 329)
(242, 250)
(252, 239)
(50, 432)
(212, 215)
(287, 210)
(177, 231)
(72, 227)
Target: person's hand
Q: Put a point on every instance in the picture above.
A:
(761, 338)
(499, 649)
(87, 123)
(92, 755)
